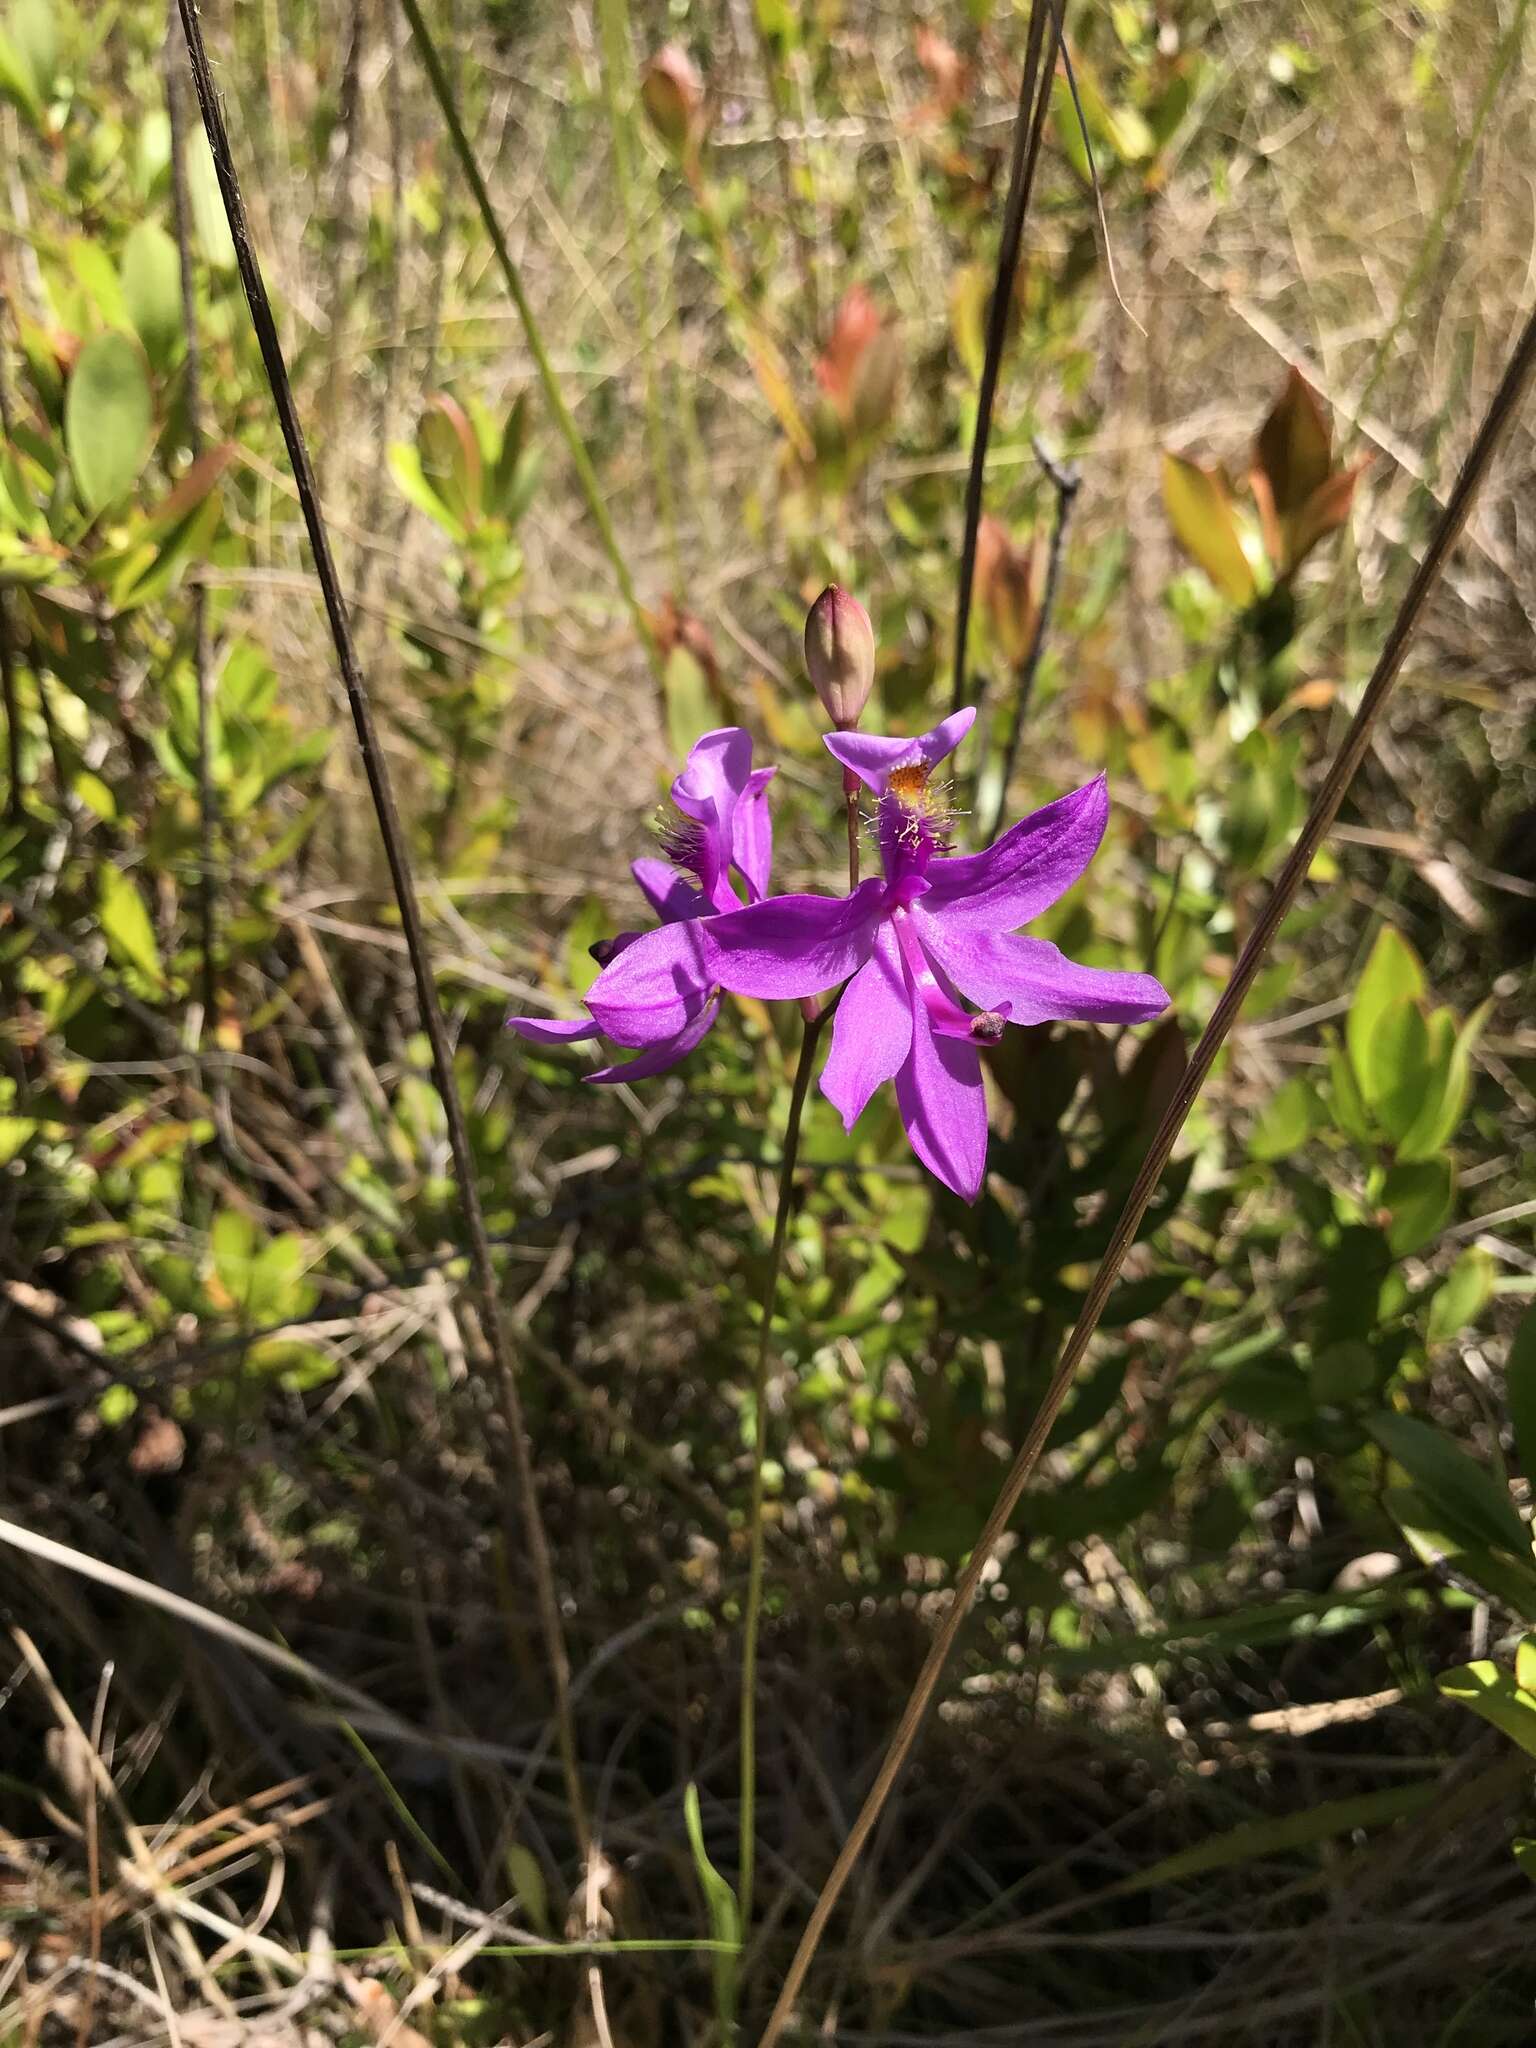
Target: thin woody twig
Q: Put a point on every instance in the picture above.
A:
(1066, 480)
(404, 885)
(1034, 100)
(1501, 412)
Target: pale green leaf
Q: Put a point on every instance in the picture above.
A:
(1391, 975)
(1494, 1695)
(108, 418)
(125, 924)
(151, 273)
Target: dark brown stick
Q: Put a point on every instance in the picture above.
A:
(377, 772)
(202, 660)
(1029, 126)
(1325, 807)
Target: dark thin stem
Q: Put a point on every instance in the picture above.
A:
(377, 772)
(202, 661)
(1066, 481)
(8, 698)
(1293, 873)
(586, 476)
(12, 708)
(810, 1038)
(1028, 127)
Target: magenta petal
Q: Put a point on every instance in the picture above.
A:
(793, 946)
(872, 756)
(713, 781)
(1032, 979)
(671, 897)
(654, 987)
(553, 1030)
(752, 834)
(871, 1032)
(665, 1053)
(944, 1107)
(1027, 869)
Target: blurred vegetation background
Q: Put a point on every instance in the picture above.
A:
(1237, 1748)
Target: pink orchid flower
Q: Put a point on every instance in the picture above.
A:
(914, 945)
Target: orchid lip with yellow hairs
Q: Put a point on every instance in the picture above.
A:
(917, 943)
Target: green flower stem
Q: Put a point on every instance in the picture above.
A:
(586, 476)
(754, 1613)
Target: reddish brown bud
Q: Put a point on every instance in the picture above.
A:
(672, 93)
(840, 655)
(1009, 579)
(855, 326)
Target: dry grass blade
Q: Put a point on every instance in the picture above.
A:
(404, 885)
(1497, 420)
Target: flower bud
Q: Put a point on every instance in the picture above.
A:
(672, 93)
(840, 655)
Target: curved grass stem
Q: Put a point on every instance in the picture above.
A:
(554, 397)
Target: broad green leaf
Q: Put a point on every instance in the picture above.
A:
(1442, 1113)
(1520, 1392)
(405, 467)
(1494, 1695)
(1270, 1390)
(1473, 1505)
(1294, 447)
(97, 276)
(1288, 1120)
(29, 53)
(511, 456)
(1400, 1067)
(1391, 975)
(1509, 1581)
(232, 1241)
(151, 271)
(1420, 1197)
(450, 459)
(1345, 1099)
(14, 1133)
(16, 80)
(1343, 1372)
(1461, 1296)
(1204, 521)
(125, 924)
(108, 418)
(1525, 1856)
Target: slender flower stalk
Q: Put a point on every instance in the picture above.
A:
(752, 1621)
(821, 638)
